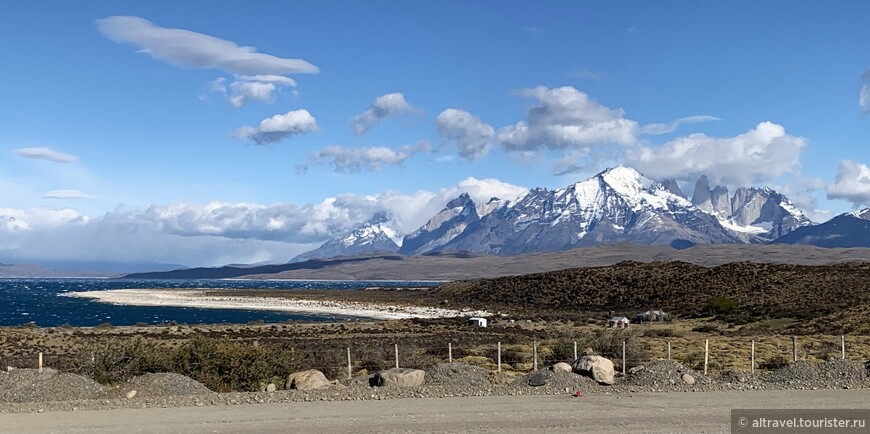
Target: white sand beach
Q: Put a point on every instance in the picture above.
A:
(207, 299)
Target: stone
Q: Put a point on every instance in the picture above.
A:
(399, 377)
(537, 380)
(311, 379)
(598, 368)
(636, 369)
(562, 366)
(270, 387)
(688, 379)
(131, 394)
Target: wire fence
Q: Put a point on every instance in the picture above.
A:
(712, 355)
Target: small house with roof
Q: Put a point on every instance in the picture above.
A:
(618, 322)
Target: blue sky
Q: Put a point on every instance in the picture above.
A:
(123, 122)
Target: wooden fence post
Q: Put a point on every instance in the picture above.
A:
(397, 356)
(534, 355)
(349, 365)
(794, 355)
(575, 351)
(499, 357)
(669, 350)
(752, 359)
(843, 347)
(623, 357)
(40, 361)
(450, 352)
(706, 354)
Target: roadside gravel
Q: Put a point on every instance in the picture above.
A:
(24, 390)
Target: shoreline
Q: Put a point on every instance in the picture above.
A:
(207, 299)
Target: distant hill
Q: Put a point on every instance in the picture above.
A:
(846, 230)
(35, 271)
(463, 265)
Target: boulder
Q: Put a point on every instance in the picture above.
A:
(688, 379)
(399, 377)
(636, 369)
(537, 380)
(306, 380)
(561, 366)
(270, 387)
(598, 368)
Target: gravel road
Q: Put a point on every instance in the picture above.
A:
(694, 412)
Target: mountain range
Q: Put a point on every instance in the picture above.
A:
(617, 205)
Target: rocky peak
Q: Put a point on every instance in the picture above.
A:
(459, 202)
(672, 186)
(701, 197)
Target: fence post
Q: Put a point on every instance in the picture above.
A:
(349, 365)
(499, 357)
(843, 347)
(794, 348)
(575, 351)
(40, 361)
(706, 354)
(397, 356)
(669, 350)
(623, 357)
(534, 355)
(752, 359)
(450, 352)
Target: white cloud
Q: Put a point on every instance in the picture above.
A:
(243, 91)
(67, 194)
(567, 118)
(852, 183)
(17, 220)
(760, 154)
(46, 154)
(467, 132)
(279, 127)
(218, 233)
(189, 49)
(354, 160)
(665, 128)
(383, 107)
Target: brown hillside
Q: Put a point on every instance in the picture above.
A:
(760, 290)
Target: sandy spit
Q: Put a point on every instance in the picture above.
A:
(209, 300)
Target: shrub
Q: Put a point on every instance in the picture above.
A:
(663, 333)
(721, 305)
(118, 360)
(706, 328)
(773, 363)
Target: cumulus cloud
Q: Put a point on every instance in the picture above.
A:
(852, 183)
(189, 49)
(383, 107)
(46, 154)
(251, 87)
(665, 128)
(567, 118)
(468, 133)
(279, 127)
(354, 160)
(760, 154)
(219, 233)
(67, 194)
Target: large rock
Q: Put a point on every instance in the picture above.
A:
(399, 377)
(306, 380)
(598, 368)
(562, 366)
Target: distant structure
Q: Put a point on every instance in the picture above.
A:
(652, 316)
(477, 321)
(618, 322)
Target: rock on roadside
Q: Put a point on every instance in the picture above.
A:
(598, 368)
(311, 379)
(399, 377)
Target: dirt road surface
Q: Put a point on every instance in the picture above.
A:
(670, 412)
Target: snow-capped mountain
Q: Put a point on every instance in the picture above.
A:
(378, 235)
(851, 229)
(761, 214)
(617, 205)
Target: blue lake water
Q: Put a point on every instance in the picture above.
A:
(39, 301)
